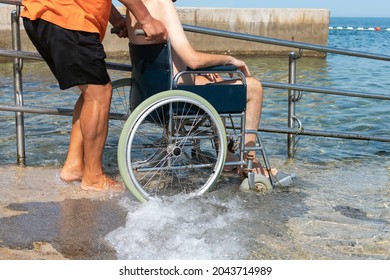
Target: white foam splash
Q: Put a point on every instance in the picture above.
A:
(180, 229)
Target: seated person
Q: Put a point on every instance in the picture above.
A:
(184, 55)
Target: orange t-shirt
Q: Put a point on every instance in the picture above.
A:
(82, 15)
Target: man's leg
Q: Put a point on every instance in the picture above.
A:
(94, 129)
(89, 133)
(74, 164)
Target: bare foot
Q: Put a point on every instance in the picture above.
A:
(71, 174)
(106, 184)
(230, 157)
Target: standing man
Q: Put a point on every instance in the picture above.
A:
(68, 35)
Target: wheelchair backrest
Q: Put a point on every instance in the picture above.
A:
(151, 71)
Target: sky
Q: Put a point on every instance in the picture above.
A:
(338, 8)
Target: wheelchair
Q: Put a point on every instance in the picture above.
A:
(176, 137)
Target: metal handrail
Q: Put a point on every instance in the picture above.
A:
(300, 87)
(12, 2)
(292, 87)
(36, 56)
(280, 42)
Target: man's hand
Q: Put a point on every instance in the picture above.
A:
(118, 22)
(120, 30)
(154, 30)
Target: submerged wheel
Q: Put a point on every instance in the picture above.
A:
(173, 142)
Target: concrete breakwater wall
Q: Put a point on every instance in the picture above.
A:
(301, 25)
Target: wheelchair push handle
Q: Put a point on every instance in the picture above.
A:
(115, 30)
(137, 32)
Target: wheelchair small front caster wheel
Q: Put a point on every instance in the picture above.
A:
(261, 184)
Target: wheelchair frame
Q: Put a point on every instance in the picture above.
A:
(182, 130)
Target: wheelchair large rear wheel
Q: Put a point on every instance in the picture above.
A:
(120, 106)
(173, 142)
(120, 101)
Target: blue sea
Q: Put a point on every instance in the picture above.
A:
(359, 34)
(339, 205)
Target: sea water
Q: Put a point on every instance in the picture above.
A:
(338, 207)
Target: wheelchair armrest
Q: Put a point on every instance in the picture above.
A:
(215, 69)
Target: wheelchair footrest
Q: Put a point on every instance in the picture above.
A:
(284, 180)
(261, 183)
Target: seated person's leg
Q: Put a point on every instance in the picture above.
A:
(215, 78)
(211, 78)
(252, 116)
(253, 109)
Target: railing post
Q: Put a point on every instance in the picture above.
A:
(291, 103)
(18, 91)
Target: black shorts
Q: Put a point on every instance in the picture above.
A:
(74, 57)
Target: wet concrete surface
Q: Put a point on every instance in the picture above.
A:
(42, 217)
(74, 227)
(339, 211)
